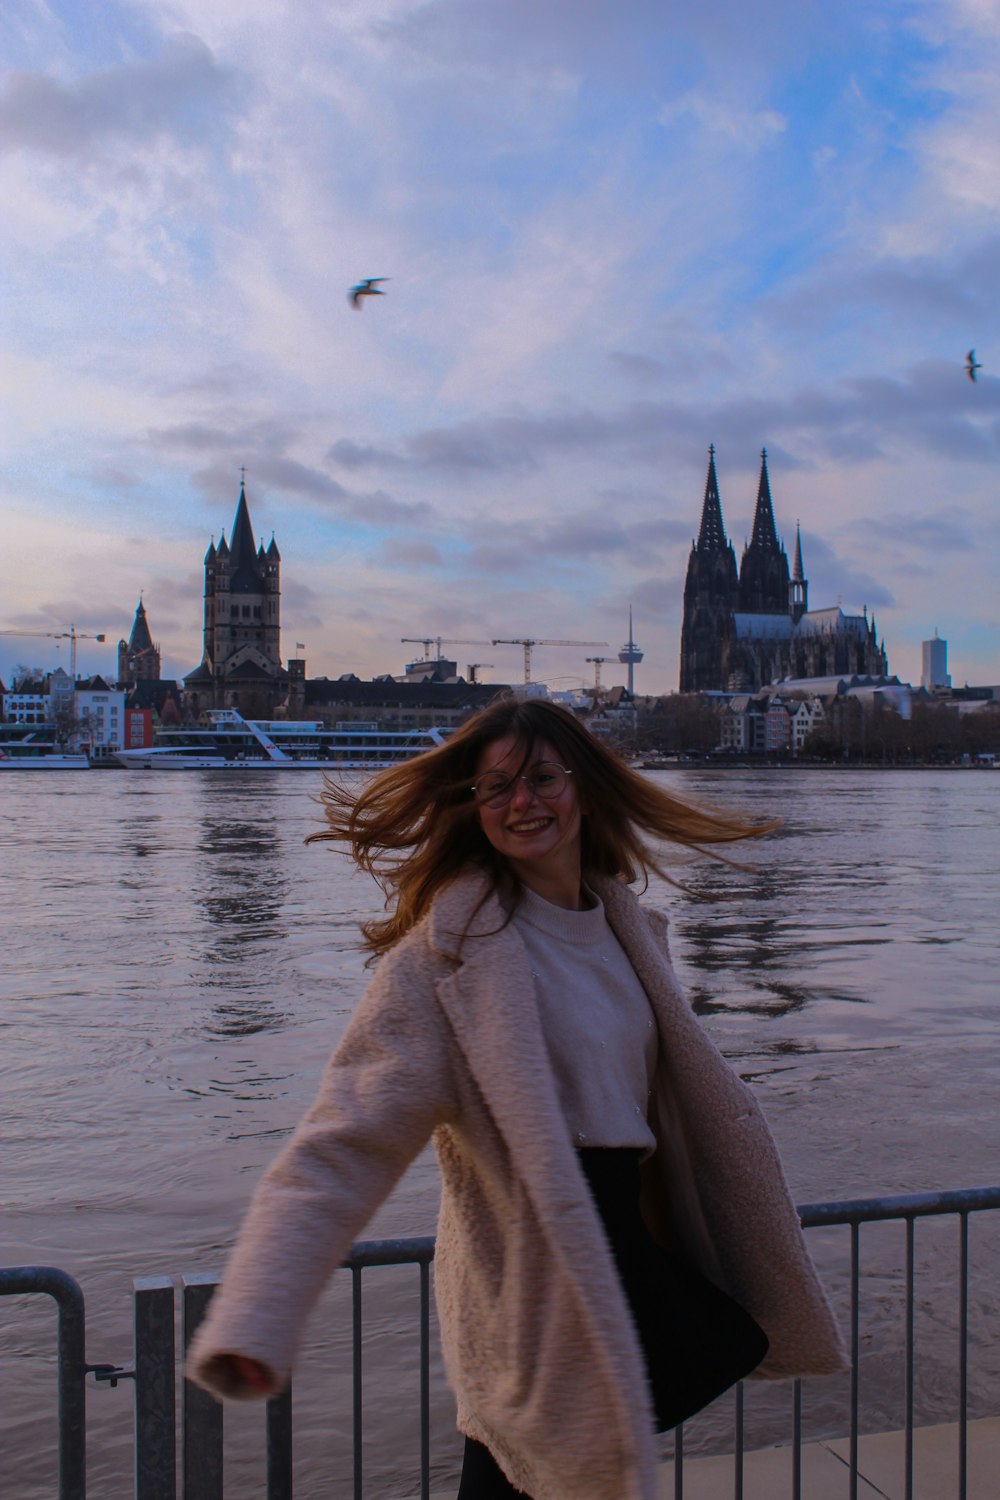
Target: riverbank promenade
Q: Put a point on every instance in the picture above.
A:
(826, 1474)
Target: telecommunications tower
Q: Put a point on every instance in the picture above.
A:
(630, 655)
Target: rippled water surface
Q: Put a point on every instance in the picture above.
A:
(177, 965)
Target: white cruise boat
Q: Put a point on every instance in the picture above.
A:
(225, 741)
(15, 757)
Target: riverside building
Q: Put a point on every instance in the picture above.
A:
(743, 630)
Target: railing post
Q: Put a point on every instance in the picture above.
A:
(23, 1281)
(356, 1382)
(738, 1455)
(279, 1446)
(72, 1388)
(425, 1382)
(155, 1419)
(201, 1414)
(910, 1373)
(855, 1353)
(797, 1441)
(963, 1357)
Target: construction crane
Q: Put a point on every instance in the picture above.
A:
(598, 663)
(477, 666)
(527, 642)
(427, 641)
(72, 635)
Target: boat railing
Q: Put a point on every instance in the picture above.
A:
(959, 1363)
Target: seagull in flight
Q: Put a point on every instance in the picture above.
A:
(368, 288)
(971, 365)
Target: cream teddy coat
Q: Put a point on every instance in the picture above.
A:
(538, 1340)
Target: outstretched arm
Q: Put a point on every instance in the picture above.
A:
(387, 1086)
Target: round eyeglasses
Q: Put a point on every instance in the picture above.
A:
(545, 779)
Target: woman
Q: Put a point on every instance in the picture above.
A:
(602, 1167)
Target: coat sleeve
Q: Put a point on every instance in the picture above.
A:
(386, 1088)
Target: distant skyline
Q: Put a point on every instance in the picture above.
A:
(613, 235)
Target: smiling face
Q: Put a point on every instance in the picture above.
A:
(539, 836)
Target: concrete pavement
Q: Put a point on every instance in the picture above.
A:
(767, 1473)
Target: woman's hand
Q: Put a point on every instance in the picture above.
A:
(252, 1373)
(240, 1376)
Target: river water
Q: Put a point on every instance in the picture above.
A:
(177, 966)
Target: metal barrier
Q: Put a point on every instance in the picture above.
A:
(154, 1369)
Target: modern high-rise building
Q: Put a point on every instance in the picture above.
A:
(934, 663)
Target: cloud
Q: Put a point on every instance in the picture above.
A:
(862, 418)
(614, 235)
(657, 598)
(227, 434)
(410, 554)
(929, 293)
(641, 367)
(503, 557)
(350, 455)
(380, 509)
(288, 475)
(183, 93)
(951, 531)
(749, 129)
(113, 478)
(834, 579)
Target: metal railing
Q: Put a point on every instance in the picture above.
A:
(154, 1370)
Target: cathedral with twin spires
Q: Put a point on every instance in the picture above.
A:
(742, 631)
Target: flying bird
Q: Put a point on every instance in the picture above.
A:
(971, 365)
(368, 288)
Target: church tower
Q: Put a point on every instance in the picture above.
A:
(710, 595)
(138, 658)
(241, 665)
(764, 580)
(798, 592)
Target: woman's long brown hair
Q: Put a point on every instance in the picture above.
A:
(415, 826)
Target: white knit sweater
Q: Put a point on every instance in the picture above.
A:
(596, 1020)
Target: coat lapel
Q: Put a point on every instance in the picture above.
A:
(492, 1007)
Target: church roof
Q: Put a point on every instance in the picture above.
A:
(762, 627)
(146, 694)
(249, 671)
(245, 575)
(783, 627)
(140, 639)
(764, 537)
(712, 535)
(838, 685)
(832, 621)
(797, 574)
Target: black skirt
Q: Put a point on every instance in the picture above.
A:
(696, 1341)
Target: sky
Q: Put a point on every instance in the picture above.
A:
(614, 232)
